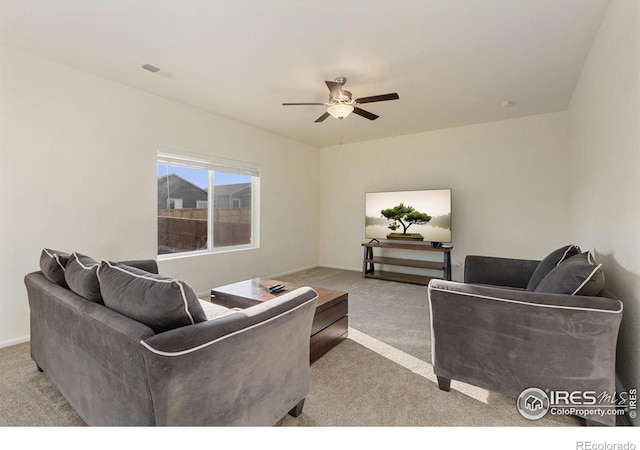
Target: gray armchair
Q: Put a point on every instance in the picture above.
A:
(491, 332)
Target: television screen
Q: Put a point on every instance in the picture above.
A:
(421, 215)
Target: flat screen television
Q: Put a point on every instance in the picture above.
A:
(384, 219)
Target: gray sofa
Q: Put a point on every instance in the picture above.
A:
(232, 367)
(508, 327)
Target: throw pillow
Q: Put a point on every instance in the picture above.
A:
(81, 277)
(52, 265)
(578, 275)
(551, 261)
(162, 303)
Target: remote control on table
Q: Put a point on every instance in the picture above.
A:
(276, 288)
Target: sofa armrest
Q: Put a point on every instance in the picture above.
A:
(508, 340)
(516, 296)
(249, 367)
(150, 265)
(490, 270)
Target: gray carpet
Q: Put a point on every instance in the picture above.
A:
(363, 382)
(27, 398)
(380, 376)
(394, 313)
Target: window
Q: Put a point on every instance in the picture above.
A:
(187, 185)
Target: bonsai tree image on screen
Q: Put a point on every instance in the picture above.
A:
(405, 216)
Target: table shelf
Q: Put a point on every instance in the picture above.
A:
(370, 261)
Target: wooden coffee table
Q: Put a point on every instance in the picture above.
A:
(330, 322)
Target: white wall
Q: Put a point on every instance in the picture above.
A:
(605, 159)
(78, 173)
(508, 181)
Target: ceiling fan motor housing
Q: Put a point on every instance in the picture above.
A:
(345, 97)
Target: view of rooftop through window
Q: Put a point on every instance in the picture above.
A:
(200, 177)
(185, 221)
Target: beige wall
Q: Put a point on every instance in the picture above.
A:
(605, 161)
(508, 182)
(78, 173)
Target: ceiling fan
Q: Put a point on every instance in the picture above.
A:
(341, 103)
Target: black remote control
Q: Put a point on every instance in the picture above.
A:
(276, 288)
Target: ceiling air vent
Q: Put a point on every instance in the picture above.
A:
(151, 68)
(157, 70)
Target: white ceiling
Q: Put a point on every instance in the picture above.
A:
(452, 62)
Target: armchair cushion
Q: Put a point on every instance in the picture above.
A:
(578, 275)
(161, 303)
(551, 261)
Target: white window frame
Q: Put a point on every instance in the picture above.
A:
(198, 161)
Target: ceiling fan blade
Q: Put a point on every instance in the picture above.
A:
(297, 104)
(322, 117)
(378, 98)
(363, 113)
(334, 88)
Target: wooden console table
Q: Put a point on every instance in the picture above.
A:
(369, 262)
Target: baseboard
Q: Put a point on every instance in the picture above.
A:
(350, 269)
(620, 387)
(16, 341)
(289, 272)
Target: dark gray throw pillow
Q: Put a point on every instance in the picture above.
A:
(551, 261)
(81, 277)
(162, 303)
(52, 265)
(578, 275)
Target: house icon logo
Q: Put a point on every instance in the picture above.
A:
(533, 403)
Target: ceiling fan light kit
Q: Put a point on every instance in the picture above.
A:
(340, 111)
(341, 103)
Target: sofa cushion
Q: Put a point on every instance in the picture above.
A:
(80, 275)
(162, 303)
(551, 261)
(52, 265)
(578, 275)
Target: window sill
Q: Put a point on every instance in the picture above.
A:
(170, 256)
